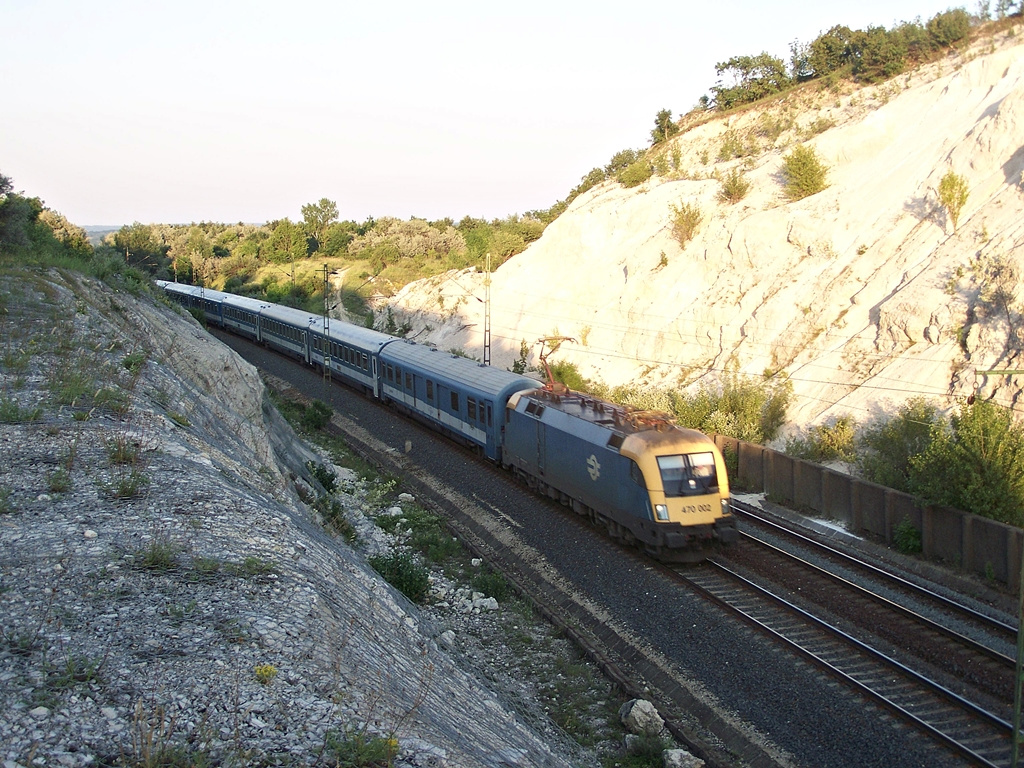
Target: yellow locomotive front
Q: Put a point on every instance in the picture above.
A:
(688, 488)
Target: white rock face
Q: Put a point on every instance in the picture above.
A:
(863, 294)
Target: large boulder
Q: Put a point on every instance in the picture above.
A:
(639, 716)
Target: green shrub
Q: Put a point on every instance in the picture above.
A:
(492, 584)
(734, 187)
(402, 571)
(826, 442)
(635, 174)
(975, 464)
(906, 537)
(6, 505)
(568, 373)
(316, 416)
(742, 407)
(885, 449)
(324, 475)
(736, 145)
(803, 173)
(686, 219)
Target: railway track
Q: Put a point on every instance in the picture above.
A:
(969, 716)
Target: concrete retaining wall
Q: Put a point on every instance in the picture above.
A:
(975, 544)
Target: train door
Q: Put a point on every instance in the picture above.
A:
(410, 389)
(375, 376)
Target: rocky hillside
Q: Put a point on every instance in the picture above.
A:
(863, 294)
(167, 598)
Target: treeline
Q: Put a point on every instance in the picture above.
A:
(275, 260)
(863, 55)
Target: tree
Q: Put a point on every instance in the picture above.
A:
(754, 77)
(877, 54)
(317, 217)
(886, 449)
(73, 238)
(953, 195)
(949, 27)
(140, 246)
(286, 245)
(664, 127)
(830, 52)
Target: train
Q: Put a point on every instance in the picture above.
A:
(647, 481)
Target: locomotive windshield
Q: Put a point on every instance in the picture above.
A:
(688, 474)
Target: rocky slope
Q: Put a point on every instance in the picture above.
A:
(863, 294)
(167, 598)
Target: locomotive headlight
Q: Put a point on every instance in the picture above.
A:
(726, 509)
(661, 511)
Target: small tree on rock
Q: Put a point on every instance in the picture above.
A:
(803, 173)
(953, 195)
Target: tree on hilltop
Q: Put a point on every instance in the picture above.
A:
(316, 218)
(664, 127)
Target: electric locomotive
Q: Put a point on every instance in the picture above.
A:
(650, 482)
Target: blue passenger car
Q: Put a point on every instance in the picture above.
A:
(241, 314)
(463, 398)
(351, 350)
(287, 330)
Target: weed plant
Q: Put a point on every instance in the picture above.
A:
(160, 554)
(402, 571)
(906, 537)
(734, 187)
(492, 584)
(12, 413)
(127, 485)
(252, 567)
(59, 481)
(686, 219)
(358, 749)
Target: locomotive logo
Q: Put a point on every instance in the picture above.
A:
(593, 467)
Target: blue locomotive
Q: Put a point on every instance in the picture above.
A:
(649, 482)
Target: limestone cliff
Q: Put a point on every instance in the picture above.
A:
(863, 294)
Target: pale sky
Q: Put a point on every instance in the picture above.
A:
(118, 111)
